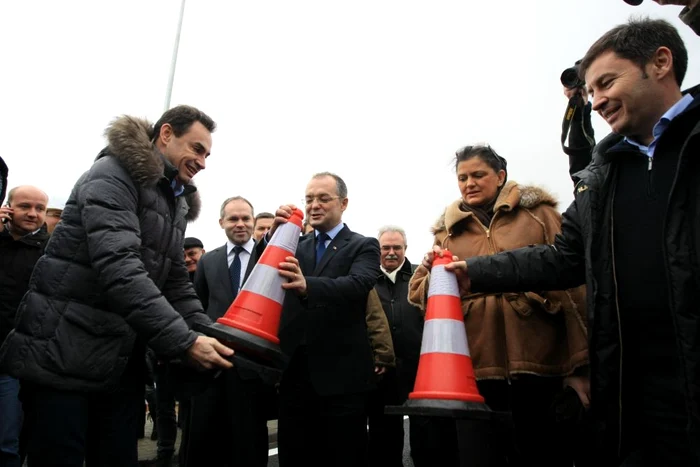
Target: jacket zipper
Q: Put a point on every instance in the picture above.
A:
(492, 248)
(619, 323)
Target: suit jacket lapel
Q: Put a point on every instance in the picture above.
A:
(251, 262)
(337, 243)
(306, 253)
(222, 271)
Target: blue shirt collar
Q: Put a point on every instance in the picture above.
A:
(178, 188)
(658, 130)
(333, 232)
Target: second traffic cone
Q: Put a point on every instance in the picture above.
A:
(252, 321)
(445, 382)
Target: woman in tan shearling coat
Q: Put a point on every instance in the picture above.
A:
(524, 346)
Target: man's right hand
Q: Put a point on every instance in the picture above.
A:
(281, 216)
(569, 93)
(207, 352)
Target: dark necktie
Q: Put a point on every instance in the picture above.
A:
(235, 270)
(321, 246)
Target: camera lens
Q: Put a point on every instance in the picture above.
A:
(570, 79)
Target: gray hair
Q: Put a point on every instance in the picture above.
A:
(234, 198)
(392, 228)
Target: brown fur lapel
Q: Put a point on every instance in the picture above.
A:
(129, 141)
(511, 195)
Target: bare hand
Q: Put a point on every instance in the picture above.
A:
(207, 352)
(379, 370)
(291, 271)
(429, 257)
(6, 214)
(569, 93)
(582, 386)
(282, 215)
(460, 270)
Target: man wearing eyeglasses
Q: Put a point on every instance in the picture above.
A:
(386, 434)
(324, 388)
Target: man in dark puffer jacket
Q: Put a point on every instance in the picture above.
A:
(112, 281)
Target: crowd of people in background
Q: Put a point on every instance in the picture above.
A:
(583, 326)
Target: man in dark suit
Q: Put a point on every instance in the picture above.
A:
(227, 423)
(323, 332)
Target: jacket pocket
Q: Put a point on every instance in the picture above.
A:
(525, 303)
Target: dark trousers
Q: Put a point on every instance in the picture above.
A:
(316, 430)
(385, 432)
(69, 428)
(165, 420)
(227, 424)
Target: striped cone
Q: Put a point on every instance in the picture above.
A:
(252, 321)
(445, 383)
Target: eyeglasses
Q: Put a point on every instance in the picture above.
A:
(322, 199)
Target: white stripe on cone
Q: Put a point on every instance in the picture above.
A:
(286, 237)
(444, 336)
(442, 282)
(266, 279)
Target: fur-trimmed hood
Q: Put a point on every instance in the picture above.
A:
(511, 196)
(129, 141)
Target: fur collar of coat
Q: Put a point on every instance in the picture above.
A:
(511, 196)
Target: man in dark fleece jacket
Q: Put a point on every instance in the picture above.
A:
(632, 236)
(112, 282)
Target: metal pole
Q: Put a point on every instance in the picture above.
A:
(171, 78)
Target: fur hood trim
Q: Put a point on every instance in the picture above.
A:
(129, 141)
(511, 196)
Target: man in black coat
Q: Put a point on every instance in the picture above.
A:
(23, 238)
(227, 423)
(386, 434)
(112, 281)
(632, 236)
(323, 332)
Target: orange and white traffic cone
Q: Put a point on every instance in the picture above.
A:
(445, 383)
(251, 324)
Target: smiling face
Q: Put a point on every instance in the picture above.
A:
(238, 221)
(192, 257)
(324, 208)
(187, 152)
(628, 98)
(478, 182)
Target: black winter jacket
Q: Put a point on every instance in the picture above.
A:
(113, 273)
(17, 260)
(405, 323)
(583, 253)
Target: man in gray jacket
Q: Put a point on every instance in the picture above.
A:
(112, 282)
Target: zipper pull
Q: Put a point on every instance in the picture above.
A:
(488, 233)
(651, 159)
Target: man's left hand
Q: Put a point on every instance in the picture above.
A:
(291, 271)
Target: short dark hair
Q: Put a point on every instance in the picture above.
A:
(341, 187)
(638, 41)
(234, 198)
(486, 154)
(181, 118)
(264, 215)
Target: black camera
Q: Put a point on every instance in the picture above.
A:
(570, 79)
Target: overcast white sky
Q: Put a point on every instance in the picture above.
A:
(380, 92)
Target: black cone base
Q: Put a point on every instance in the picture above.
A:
(251, 352)
(442, 408)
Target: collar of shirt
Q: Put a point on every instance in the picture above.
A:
(331, 233)
(178, 188)
(392, 275)
(247, 246)
(658, 130)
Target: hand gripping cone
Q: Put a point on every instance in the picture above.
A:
(445, 383)
(252, 321)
